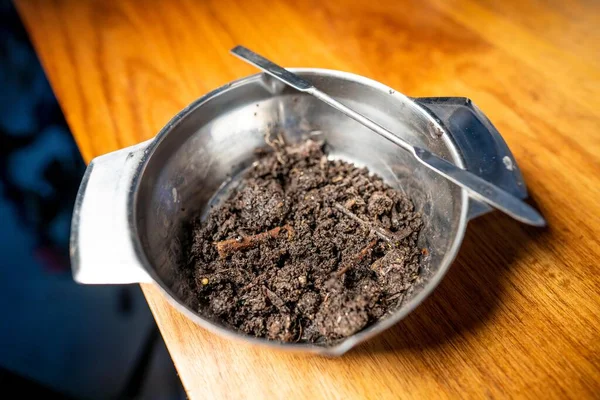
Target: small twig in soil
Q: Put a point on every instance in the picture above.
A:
(395, 296)
(226, 247)
(357, 258)
(382, 233)
(363, 253)
(276, 144)
(390, 237)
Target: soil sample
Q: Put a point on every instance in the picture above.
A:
(306, 249)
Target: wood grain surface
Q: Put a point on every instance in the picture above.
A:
(518, 315)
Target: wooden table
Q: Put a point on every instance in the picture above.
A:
(518, 314)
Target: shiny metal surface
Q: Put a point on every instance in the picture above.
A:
(268, 66)
(481, 146)
(144, 196)
(477, 187)
(101, 249)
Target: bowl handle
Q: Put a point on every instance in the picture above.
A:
(479, 143)
(101, 248)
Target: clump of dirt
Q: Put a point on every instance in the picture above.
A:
(306, 249)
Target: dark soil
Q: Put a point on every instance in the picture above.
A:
(305, 249)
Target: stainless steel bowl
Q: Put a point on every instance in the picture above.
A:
(133, 203)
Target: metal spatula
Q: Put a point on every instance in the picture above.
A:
(478, 188)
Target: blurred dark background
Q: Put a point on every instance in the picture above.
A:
(58, 338)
